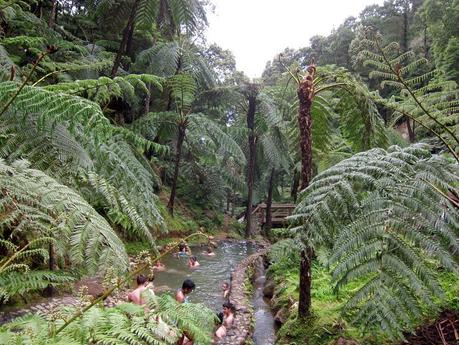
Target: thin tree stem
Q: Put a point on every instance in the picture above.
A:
(7, 105)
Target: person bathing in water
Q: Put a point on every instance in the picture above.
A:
(184, 250)
(209, 251)
(228, 320)
(226, 290)
(143, 285)
(181, 296)
(159, 266)
(193, 262)
(187, 287)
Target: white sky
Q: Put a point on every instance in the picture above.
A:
(256, 30)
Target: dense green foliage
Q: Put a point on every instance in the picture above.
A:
(125, 324)
(111, 110)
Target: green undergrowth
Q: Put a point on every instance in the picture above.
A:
(187, 219)
(327, 324)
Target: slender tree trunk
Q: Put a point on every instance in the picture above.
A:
(426, 47)
(51, 265)
(127, 32)
(130, 41)
(295, 185)
(52, 17)
(409, 127)
(269, 201)
(178, 155)
(252, 97)
(233, 200)
(304, 306)
(305, 97)
(228, 200)
(406, 11)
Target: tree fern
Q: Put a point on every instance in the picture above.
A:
(162, 324)
(432, 104)
(15, 275)
(79, 159)
(390, 223)
(102, 90)
(35, 205)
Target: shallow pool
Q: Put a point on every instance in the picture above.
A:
(208, 277)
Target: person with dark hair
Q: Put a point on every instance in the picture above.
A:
(181, 296)
(209, 251)
(184, 250)
(193, 262)
(187, 287)
(228, 319)
(226, 290)
(143, 284)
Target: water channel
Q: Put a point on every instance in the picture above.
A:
(264, 333)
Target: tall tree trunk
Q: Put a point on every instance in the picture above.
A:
(252, 98)
(178, 155)
(269, 201)
(305, 97)
(127, 32)
(130, 41)
(52, 17)
(406, 12)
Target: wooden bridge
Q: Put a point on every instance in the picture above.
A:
(278, 214)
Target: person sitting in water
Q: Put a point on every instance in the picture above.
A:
(209, 251)
(226, 290)
(159, 266)
(228, 320)
(143, 285)
(184, 250)
(193, 262)
(187, 287)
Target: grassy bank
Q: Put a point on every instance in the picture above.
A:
(187, 220)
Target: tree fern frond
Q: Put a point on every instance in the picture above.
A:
(389, 230)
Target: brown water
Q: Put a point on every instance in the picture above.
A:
(208, 277)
